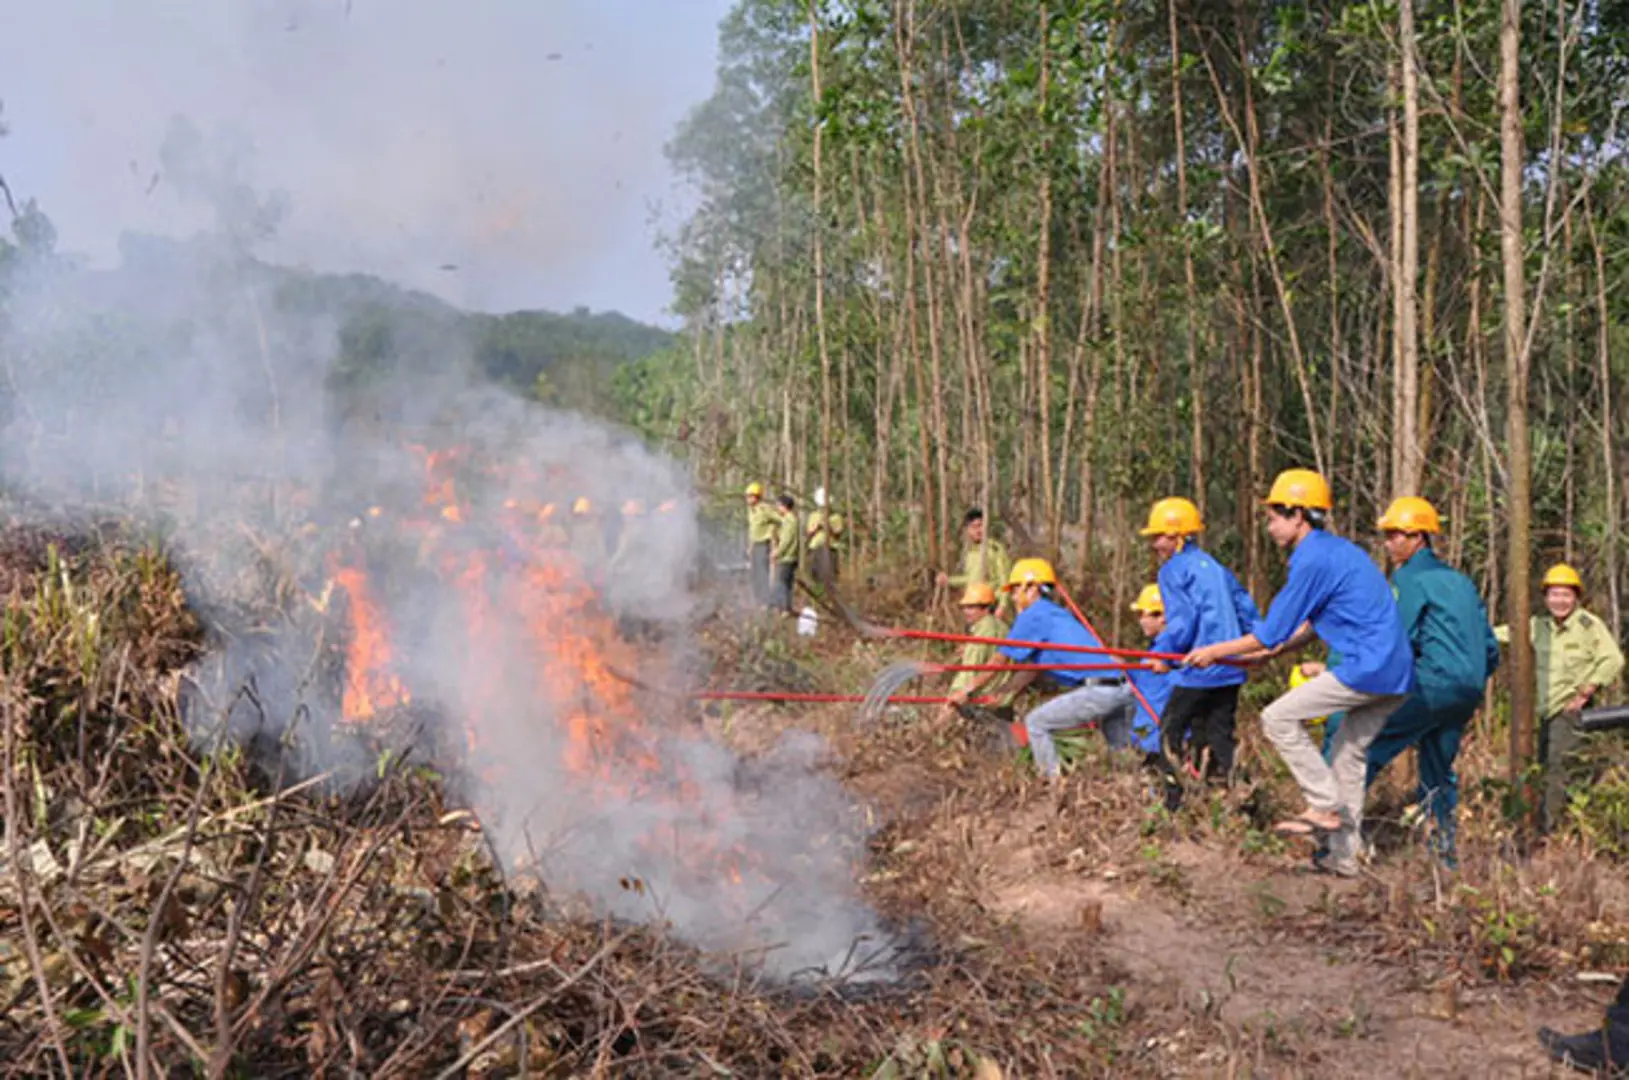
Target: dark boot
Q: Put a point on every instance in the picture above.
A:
(1605, 1049)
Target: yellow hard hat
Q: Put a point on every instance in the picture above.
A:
(1030, 572)
(1173, 517)
(1302, 488)
(1410, 514)
(582, 505)
(978, 594)
(755, 488)
(1149, 601)
(1562, 574)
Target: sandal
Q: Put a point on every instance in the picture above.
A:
(1306, 825)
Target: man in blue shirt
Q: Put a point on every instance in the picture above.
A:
(1454, 655)
(1108, 702)
(1152, 681)
(1336, 593)
(1204, 604)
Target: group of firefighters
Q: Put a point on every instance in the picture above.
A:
(1407, 665)
(776, 538)
(1408, 660)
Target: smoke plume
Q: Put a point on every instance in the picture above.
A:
(427, 516)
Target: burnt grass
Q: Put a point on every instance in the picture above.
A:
(174, 905)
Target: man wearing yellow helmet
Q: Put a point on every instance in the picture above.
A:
(1454, 656)
(1575, 656)
(1203, 604)
(1152, 680)
(1336, 593)
(978, 604)
(763, 526)
(1105, 701)
(586, 534)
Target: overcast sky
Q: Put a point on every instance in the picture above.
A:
(519, 140)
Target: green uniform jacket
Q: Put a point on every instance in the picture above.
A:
(763, 524)
(977, 653)
(1578, 652)
(1447, 624)
(786, 538)
(824, 530)
(989, 565)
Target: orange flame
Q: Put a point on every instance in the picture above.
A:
(370, 685)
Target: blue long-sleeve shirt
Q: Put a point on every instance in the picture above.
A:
(1045, 621)
(1447, 626)
(1334, 585)
(1204, 604)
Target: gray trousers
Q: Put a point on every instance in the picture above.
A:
(1336, 786)
(1112, 707)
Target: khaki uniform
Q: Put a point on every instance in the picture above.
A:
(988, 563)
(763, 525)
(980, 653)
(825, 534)
(1566, 656)
(786, 560)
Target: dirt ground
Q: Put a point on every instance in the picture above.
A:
(1237, 959)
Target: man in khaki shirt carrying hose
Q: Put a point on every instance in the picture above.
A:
(1575, 656)
(978, 604)
(984, 560)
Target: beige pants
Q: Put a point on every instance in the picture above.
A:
(1337, 786)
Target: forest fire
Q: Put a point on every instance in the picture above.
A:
(470, 605)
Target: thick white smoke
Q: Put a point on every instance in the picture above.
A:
(196, 388)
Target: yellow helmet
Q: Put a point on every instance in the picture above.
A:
(978, 594)
(755, 490)
(1030, 572)
(1562, 574)
(1173, 517)
(1410, 514)
(1149, 601)
(582, 505)
(1302, 488)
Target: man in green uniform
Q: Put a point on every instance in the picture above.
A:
(1575, 656)
(1454, 655)
(786, 554)
(984, 560)
(763, 525)
(978, 606)
(824, 532)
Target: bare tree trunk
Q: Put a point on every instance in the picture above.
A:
(1603, 359)
(1519, 553)
(1407, 462)
(1196, 374)
(1043, 282)
(820, 257)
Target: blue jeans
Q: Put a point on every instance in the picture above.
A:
(1437, 732)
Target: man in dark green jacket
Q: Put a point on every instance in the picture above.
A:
(1454, 655)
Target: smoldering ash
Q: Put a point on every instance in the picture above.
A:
(506, 581)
